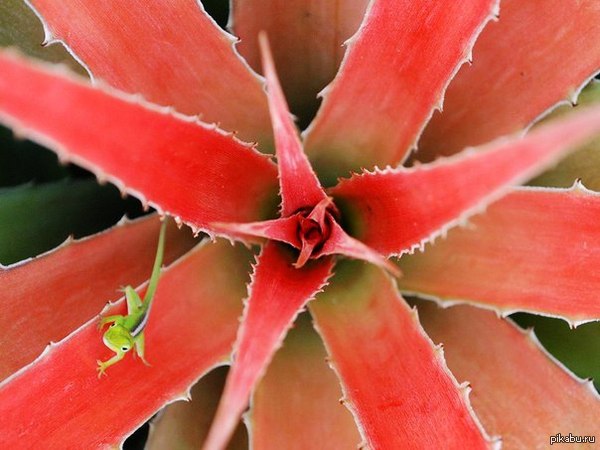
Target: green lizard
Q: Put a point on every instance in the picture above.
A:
(127, 332)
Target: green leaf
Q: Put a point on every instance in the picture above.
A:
(34, 219)
(23, 161)
(582, 164)
(577, 348)
(19, 27)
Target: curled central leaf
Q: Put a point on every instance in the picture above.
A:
(314, 229)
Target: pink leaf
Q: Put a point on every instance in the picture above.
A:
(515, 76)
(296, 406)
(395, 381)
(519, 391)
(171, 52)
(300, 187)
(191, 328)
(182, 167)
(400, 209)
(583, 163)
(534, 250)
(185, 425)
(44, 299)
(277, 293)
(306, 37)
(393, 76)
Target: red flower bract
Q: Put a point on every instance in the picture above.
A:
(394, 379)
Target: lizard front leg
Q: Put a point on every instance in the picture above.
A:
(107, 320)
(103, 365)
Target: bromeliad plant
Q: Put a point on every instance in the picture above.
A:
(532, 250)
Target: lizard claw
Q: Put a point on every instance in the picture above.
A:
(145, 362)
(101, 368)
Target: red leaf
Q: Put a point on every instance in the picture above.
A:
(171, 52)
(44, 299)
(531, 251)
(400, 209)
(392, 77)
(300, 187)
(395, 381)
(296, 406)
(306, 37)
(519, 391)
(277, 293)
(191, 328)
(284, 229)
(514, 77)
(181, 167)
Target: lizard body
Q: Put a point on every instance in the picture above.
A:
(127, 332)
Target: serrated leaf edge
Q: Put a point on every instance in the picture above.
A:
(464, 389)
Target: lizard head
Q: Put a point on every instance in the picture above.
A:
(118, 339)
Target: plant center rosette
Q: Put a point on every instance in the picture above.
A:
(314, 231)
(308, 219)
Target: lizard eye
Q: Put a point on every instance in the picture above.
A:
(112, 324)
(124, 348)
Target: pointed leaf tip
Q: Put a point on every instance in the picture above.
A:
(306, 38)
(300, 187)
